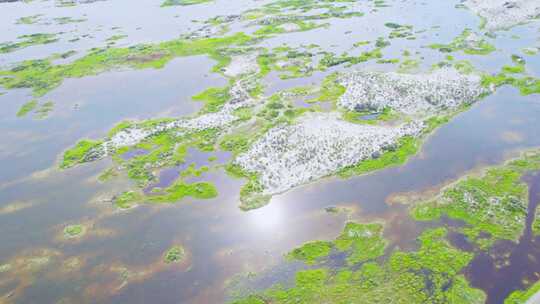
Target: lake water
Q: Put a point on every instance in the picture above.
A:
(221, 240)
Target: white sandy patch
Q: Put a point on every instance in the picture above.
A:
(503, 14)
(409, 93)
(318, 145)
(242, 64)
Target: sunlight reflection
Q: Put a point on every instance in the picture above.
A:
(267, 217)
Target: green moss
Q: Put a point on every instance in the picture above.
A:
(311, 252)
(79, 153)
(175, 254)
(27, 108)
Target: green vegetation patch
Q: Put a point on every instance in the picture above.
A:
(250, 197)
(361, 243)
(468, 42)
(394, 156)
(107, 175)
(175, 254)
(43, 76)
(213, 98)
(26, 41)
(287, 27)
(331, 59)
(199, 190)
(29, 19)
(162, 150)
(27, 108)
(80, 153)
(331, 90)
(526, 85)
(521, 296)
(74, 231)
(311, 252)
(44, 110)
(514, 76)
(183, 2)
(494, 203)
(429, 275)
(67, 20)
(397, 154)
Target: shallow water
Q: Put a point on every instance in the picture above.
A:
(510, 266)
(223, 241)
